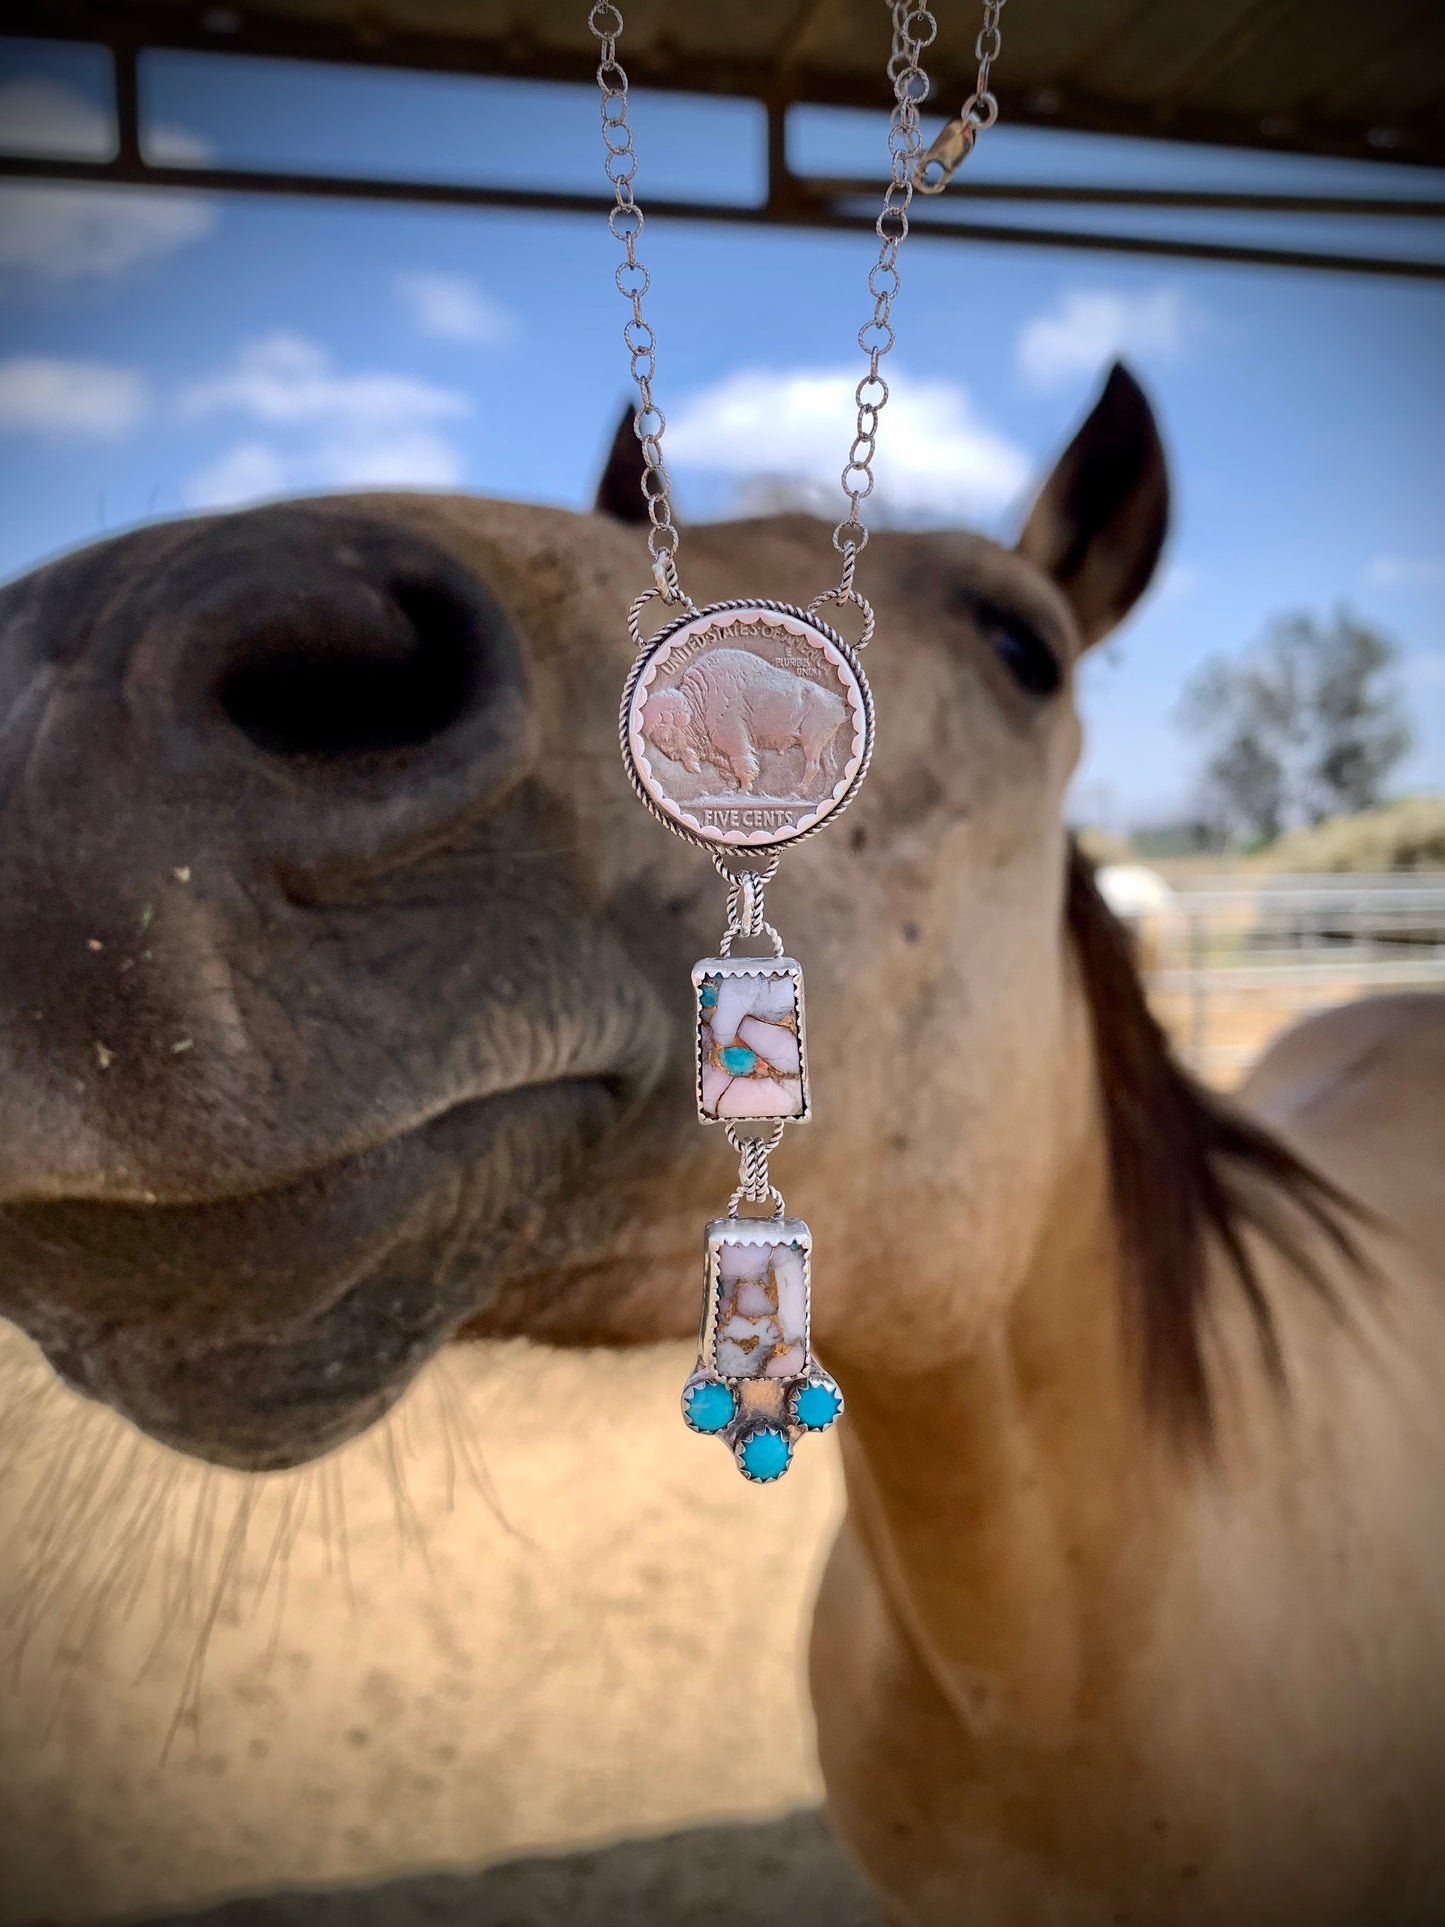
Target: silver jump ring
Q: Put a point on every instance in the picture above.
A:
(769, 1143)
(745, 907)
(754, 1183)
(842, 595)
(634, 614)
(746, 889)
(725, 948)
(779, 1208)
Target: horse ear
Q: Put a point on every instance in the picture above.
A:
(619, 490)
(1100, 519)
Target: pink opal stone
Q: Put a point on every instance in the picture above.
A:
(774, 1043)
(715, 1082)
(759, 1097)
(750, 1039)
(762, 1309)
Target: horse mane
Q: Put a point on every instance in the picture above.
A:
(1189, 1174)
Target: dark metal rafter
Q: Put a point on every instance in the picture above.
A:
(802, 210)
(791, 200)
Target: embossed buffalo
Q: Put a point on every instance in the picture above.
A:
(730, 704)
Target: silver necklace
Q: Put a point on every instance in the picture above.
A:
(745, 726)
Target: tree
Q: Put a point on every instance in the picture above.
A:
(1306, 724)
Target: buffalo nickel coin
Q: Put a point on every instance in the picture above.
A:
(746, 725)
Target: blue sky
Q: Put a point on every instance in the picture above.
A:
(160, 353)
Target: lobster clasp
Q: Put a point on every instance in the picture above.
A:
(935, 169)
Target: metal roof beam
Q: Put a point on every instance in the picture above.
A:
(805, 206)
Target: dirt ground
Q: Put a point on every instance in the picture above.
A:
(532, 1654)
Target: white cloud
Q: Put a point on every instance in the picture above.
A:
(45, 118)
(175, 147)
(450, 307)
(42, 117)
(419, 459)
(52, 396)
(290, 379)
(255, 470)
(246, 473)
(61, 233)
(786, 433)
(329, 427)
(1089, 327)
(1404, 571)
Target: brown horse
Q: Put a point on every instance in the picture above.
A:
(344, 988)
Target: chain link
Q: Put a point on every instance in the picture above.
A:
(954, 145)
(668, 595)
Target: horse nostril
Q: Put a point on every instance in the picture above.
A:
(355, 690)
(333, 687)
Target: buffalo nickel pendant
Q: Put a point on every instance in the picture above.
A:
(745, 725)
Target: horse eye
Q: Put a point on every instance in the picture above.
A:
(1013, 639)
(1025, 655)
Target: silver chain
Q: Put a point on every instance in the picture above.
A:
(624, 218)
(954, 145)
(914, 30)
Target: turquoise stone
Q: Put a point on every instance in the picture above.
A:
(709, 1406)
(816, 1406)
(765, 1454)
(707, 996)
(737, 1060)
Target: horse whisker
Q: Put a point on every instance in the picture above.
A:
(188, 1706)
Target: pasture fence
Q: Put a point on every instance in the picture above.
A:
(1231, 960)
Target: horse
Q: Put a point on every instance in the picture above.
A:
(346, 1018)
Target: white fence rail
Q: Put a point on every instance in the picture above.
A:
(1231, 960)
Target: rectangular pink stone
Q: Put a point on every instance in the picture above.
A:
(751, 1057)
(755, 1321)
